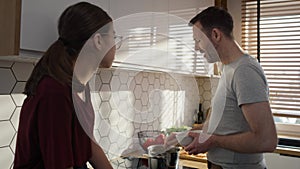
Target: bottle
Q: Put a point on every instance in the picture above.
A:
(200, 115)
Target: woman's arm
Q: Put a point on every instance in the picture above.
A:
(99, 159)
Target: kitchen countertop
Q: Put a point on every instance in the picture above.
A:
(192, 164)
(20, 58)
(185, 161)
(199, 161)
(289, 151)
(288, 145)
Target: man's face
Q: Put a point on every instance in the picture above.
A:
(204, 45)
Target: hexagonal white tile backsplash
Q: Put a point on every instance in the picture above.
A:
(6, 157)
(7, 107)
(125, 102)
(10, 80)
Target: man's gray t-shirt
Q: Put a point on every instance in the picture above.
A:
(242, 82)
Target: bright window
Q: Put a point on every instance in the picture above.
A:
(270, 32)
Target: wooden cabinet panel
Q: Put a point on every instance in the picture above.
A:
(10, 12)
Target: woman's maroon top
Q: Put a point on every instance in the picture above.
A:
(50, 135)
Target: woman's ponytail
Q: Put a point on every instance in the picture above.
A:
(75, 26)
(49, 65)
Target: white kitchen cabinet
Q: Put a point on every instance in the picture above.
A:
(39, 19)
(156, 33)
(123, 8)
(187, 8)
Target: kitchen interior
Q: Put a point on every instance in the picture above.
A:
(150, 87)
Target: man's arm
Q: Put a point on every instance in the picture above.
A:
(261, 138)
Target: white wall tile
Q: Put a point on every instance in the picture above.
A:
(104, 128)
(7, 132)
(207, 85)
(13, 144)
(162, 78)
(95, 83)
(145, 98)
(22, 71)
(138, 78)
(124, 77)
(97, 136)
(96, 100)
(114, 117)
(151, 78)
(156, 84)
(105, 109)
(7, 107)
(207, 95)
(19, 87)
(6, 157)
(115, 83)
(105, 76)
(18, 99)
(123, 87)
(5, 64)
(137, 92)
(129, 130)
(152, 103)
(138, 105)
(104, 142)
(7, 81)
(15, 118)
(145, 84)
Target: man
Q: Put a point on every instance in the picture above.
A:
(240, 127)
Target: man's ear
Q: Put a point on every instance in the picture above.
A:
(98, 41)
(216, 35)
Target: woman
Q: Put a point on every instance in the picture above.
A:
(50, 135)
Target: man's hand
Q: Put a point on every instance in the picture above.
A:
(170, 140)
(202, 143)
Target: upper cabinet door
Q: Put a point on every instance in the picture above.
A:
(39, 21)
(39, 18)
(124, 8)
(10, 27)
(157, 30)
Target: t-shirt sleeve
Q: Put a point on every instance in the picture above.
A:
(250, 85)
(55, 130)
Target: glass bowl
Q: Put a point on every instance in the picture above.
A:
(150, 137)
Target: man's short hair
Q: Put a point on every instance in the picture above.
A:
(214, 17)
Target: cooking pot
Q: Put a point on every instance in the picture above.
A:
(160, 158)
